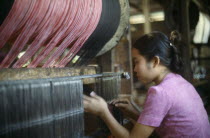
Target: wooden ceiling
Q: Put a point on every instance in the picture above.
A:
(157, 5)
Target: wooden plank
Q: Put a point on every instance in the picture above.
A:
(43, 73)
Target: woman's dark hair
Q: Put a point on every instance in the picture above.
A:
(158, 44)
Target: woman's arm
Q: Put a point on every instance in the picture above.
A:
(98, 106)
(117, 130)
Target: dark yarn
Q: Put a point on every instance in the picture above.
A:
(5, 6)
(108, 24)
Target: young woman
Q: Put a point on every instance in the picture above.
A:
(173, 107)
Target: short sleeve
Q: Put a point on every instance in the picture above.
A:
(156, 106)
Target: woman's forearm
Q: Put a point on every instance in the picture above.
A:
(116, 129)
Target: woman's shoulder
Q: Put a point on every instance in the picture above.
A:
(173, 84)
(172, 75)
(157, 89)
(173, 80)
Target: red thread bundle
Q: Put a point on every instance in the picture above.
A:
(53, 30)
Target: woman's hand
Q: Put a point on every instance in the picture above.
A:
(127, 108)
(95, 104)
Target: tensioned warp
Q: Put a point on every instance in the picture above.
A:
(49, 108)
(50, 33)
(44, 108)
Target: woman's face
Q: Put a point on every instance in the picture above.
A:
(142, 67)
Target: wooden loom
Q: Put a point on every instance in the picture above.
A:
(47, 102)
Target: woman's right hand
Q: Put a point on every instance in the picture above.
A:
(127, 108)
(95, 104)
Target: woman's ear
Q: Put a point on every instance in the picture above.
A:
(156, 61)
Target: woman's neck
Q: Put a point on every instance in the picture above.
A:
(161, 76)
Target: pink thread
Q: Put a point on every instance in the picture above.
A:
(48, 26)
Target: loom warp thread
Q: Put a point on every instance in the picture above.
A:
(41, 108)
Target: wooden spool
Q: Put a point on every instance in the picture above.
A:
(123, 26)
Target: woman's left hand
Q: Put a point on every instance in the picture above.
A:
(127, 108)
(95, 104)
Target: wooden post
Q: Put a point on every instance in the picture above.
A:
(119, 60)
(123, 63)
(146, 12)
(106, 61)
(185, 31)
